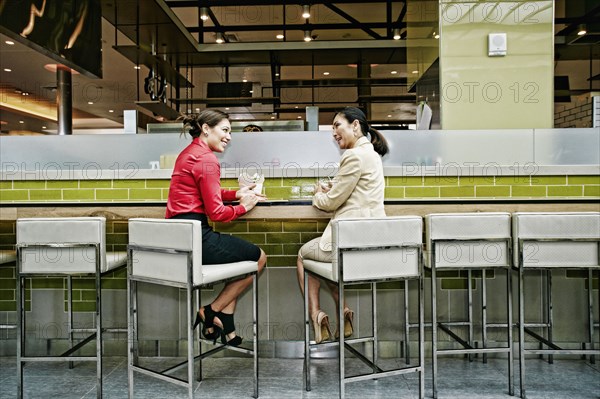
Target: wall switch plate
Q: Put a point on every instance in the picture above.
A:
(497, 44)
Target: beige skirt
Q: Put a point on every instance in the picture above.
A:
(311, 251)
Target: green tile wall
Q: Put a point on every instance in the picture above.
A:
(282, 239)
(397, 187)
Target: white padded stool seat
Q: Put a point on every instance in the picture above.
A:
(557, 225)
(181, 235)
(61, 231)
(467, 235)
(7, 256)
(373, 264)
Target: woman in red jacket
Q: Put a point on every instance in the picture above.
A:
(195, 193)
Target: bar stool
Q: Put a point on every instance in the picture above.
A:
(546, 242)
(369, 250)
(64, 247)
(168, 252)
(469, 241)
(7, 257)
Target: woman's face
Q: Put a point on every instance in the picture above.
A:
(345, 133)
(218, 136)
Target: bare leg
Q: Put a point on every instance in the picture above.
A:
(333, 288)
(314, 285)
(227, 298)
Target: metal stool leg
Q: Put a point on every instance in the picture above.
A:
(521, 325)
(549, 310)
(20, 329)
(509, 331)
(433, 327)
(306, 336)
(98, 328)
(255, 330)
(470, 311)
(375, 331)
(591, 314)
(421, 297)
(190, 331)
(484, 312)
(342, 351)
(70, 313)
(406, 325)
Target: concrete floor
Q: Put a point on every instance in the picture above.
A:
(282, 378)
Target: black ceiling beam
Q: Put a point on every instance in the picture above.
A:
(340, 82)
(279, 27)
(228, 3)
(589, 17)
(353, 20)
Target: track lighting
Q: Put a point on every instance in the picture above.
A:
(307, 36)
(220, 38)
(582, 30)
(203, 13)
(396, 34)
(306, 11)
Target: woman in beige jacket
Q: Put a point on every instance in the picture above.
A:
(358, 191)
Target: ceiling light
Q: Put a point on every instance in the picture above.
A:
(21, 122)
(90, 102)
(389, 116)
(326, 73)
(226, 108)
(305, 11)
(7, 70)
(436, 35)
(415, 71)
(197, 109)
(111, 110)
(582, 30)
(244, 80)
(307, 37)
(204, 13)
(396, 33)
(272, 117)
(276, 74)
(44, 127)
(299, 117)
(280, 36)
(394, 72)
(220, 38)
(137, 67)
(10, 42)
(251, 91)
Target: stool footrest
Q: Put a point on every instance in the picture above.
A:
(562, 351)
(79, 345)
(27, 359)
(168, 378)
(474, 350)
(383, 374)
(543, 340)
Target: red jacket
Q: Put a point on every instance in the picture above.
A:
(196, 186)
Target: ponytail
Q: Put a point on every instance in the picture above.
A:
(379, 142)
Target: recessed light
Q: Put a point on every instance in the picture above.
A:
(226, 108)
(389, 116)
(415, 71)
(7, 70)
(296, 106)
(197, 109)
(276, 74)
(137, 67)
(326, 73)
(279, 36)
(111, 110)
(251, 91)
(244, 80)
(394, 72)
(43, 127)
(272, 117)
(299, 117)
(24, 93)
(9, 42)
(90, 102)
(436, 36)
(21, 122)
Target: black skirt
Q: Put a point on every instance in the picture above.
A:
(221, 248)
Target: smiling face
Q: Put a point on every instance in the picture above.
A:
(218, 136)
(345, 133)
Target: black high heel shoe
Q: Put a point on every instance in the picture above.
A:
(228, 328)
(208, 322)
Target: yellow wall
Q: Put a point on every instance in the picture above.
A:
(514, 91)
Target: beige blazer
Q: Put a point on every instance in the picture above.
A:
(358, 188)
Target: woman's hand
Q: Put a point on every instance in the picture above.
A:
(243, 191)
(249, 201)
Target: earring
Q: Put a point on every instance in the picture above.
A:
(206, 134)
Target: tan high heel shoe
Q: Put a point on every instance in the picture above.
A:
(321, 326)
(348, 324)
